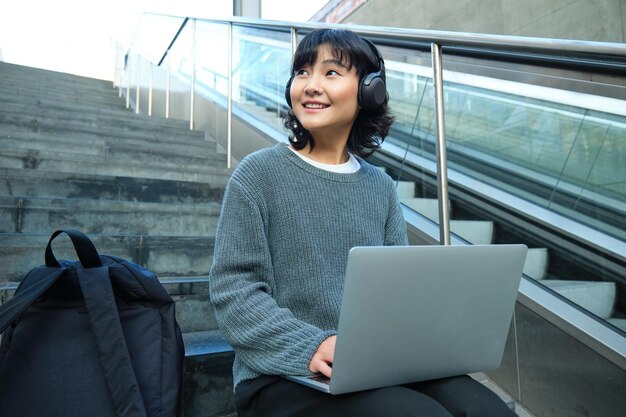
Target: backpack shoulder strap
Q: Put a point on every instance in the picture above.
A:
(105, 323)
(39, 280)
(85, 249)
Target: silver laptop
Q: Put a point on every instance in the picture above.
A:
(415, 313)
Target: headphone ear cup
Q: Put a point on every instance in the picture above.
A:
(372, 91)
(288, 92)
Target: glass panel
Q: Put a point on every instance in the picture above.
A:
(260, 71)
(212, 56)
(211, 87)
(411, 101)
(180, 61)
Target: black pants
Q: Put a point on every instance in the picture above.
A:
(270, 396)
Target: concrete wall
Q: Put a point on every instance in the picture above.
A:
(598, 20)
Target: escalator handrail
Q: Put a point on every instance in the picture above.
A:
(589, 55)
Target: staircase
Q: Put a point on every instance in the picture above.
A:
(145, 189)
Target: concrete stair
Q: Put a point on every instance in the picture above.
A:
(166, 256)
(145, 189)
(17, 182)
(30, 215)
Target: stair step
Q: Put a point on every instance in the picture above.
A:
(93, 165)
(21, 114)
(194, 311)
(16, 71)
(166, 256)
(20, 83)
(536, 265)
(427, 207)
(30, 215)
(199, 343)
(117, 132)
(199, 151)
(104, 111)
(108, 126)
(49, 184)
(208, 388)
(477, 232)
(84, 96)
(405, 189)
(73, 146)
(159, 155)
(597, 297)
(121, 149)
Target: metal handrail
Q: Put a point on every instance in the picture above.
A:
(180, 29)
(560, 48)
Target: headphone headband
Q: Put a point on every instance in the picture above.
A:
(379, 58)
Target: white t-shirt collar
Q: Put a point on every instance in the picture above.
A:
(349, 167)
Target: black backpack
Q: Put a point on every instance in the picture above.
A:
(95, 338)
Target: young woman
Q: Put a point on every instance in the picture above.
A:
(291, 213)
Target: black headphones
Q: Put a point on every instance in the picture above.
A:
(372, 87)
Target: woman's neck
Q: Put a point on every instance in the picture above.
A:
(325, 154)
(327, 151)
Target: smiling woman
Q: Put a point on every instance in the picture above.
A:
(289, 218)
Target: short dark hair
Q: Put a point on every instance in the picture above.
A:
(371, 126)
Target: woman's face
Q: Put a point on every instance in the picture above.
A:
(324, 95)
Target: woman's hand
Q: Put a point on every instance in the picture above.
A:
(322, 360)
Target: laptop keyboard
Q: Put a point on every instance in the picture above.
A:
(320, 378)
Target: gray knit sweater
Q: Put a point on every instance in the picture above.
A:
(281, 250)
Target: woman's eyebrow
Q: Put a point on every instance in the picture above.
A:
(334, 62)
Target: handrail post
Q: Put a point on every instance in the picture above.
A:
(229, 117)
(294, 40)
(117, 77)
(167, 87)
(150, 90)
(294, 46)
(442, 169)
(127, 72)
(193, 73)
(137, 92)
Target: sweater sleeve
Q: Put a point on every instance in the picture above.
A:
(266, 337)
(395, 226)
